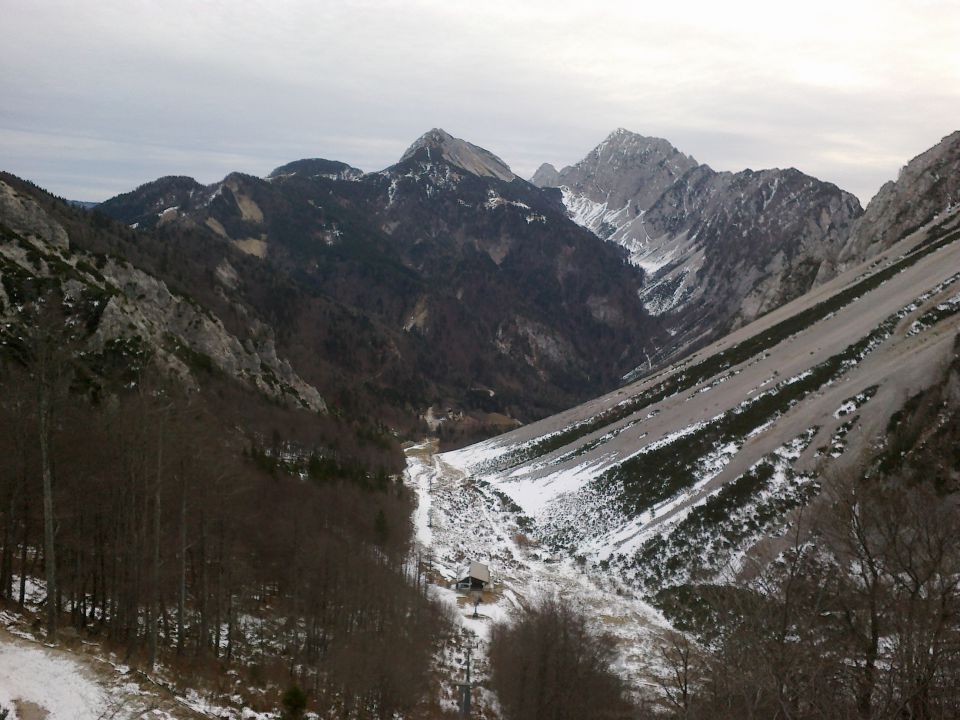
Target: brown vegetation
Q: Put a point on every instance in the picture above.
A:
(860, 618)
(548, 665)
(186, 528)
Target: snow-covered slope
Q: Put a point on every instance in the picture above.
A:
(676, 476)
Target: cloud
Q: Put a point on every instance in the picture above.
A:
(121, 92)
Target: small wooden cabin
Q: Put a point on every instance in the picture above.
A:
(475, 577)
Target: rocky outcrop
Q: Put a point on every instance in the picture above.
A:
(121, 303)
(718, 249)
(145, 307)
(439, 144)
(927, 186)
(23, 215)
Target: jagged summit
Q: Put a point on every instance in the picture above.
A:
(639, 160)
(464, 155)
(625, 167)
(622, 140)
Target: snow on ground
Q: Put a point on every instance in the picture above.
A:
(81, 682)
(462, 518)
(50, 681)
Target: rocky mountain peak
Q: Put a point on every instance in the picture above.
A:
(464, 155)
(626, 168)
(546, 176)
(625, 142)
(739, 244)
(927, 186)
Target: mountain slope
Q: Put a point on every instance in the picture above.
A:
(927, 186)
(127, 311)
(719, 249)
(676, 477)
(446, 249)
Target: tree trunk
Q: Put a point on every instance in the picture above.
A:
(49, 551)
(182, 595)
(154, 599)
(23, 553)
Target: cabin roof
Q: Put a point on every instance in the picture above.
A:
(477, 571)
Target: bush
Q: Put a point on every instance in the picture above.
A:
(548, 665)
(294, 703)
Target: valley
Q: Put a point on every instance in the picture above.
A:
(274, 382)
(507, 361)
(548, 525)
(460, 518)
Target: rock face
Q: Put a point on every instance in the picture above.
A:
(22, 215)
(125, 307)
(459, 153)
(546, 176)
(927, 186)
(626, 174)
(718, 249)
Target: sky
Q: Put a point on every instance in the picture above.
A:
(99, 97)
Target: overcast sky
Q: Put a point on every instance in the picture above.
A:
(97, 97)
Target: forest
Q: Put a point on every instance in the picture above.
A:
(207, 529)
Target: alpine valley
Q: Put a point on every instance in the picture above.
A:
(671, 377)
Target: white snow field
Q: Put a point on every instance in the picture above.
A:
(50, 681)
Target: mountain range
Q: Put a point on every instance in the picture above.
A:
(677, 365)
(719, 248)
(691, 474)
(446, 289)
(443, 281)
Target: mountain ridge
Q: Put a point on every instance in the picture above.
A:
(733, 244)
(445, 246)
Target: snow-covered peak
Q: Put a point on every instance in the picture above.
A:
(466, 156)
